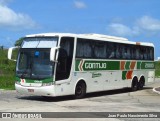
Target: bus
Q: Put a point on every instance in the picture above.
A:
(58, 64)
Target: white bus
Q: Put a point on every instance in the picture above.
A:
(57, 64)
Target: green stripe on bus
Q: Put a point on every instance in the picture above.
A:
(139, 65)
(147, 65)
(77, 63)
(89, 65)
(48, 80)
(127, 66)
(124, 75)
(94, 65)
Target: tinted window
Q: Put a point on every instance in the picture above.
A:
(84, 48)
(110, 50)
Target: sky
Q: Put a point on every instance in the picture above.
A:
(136, 20)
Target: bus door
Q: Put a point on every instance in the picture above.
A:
(65, 57)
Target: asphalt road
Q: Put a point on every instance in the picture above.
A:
(109, 101)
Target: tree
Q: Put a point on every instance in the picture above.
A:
(19, 41)
(1, 47)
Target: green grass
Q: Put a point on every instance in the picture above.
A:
(7, 71)
(157, 72)
(7, 82)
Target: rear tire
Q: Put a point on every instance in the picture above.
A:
(134, 86)
(80, 90)
(140, 84)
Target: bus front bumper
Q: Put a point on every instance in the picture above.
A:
(38, 91)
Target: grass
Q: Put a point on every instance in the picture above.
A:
(7, 82)
(7, 71)
(157, 72)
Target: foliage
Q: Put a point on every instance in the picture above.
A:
(7, 71)
(157, 72)
(19, 41)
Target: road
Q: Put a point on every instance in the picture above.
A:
(109, 101)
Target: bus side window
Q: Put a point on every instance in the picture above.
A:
(118, 51)
(145, 53)
(141, 53)
(132, 52)
(124, 51)
(87, 49)
(137, 53)
(79, 50)
(84, 48)
(111, 50)
(100, 50)
(129, 52)
(151, 55)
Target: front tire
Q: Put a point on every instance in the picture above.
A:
(80, 90)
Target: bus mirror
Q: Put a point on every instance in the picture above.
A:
(11, 55)
(53, 56)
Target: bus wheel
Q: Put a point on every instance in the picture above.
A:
(134, 85)
(141, 83)
(80, 90)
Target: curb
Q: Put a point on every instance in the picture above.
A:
(157, 90)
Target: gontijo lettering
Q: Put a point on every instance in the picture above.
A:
(95, 65)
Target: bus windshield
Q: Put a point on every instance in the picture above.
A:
(34, 59)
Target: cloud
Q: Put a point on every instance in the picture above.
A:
(145, 24)
(122, 30)
(11, 20)
(119, 29)
(149, 23)
(79, 4)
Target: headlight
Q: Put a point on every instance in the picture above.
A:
(47, 84)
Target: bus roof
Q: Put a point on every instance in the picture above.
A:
(94, 37)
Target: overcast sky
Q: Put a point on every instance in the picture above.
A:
(137, 20)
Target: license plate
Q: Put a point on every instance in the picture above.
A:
(30, 90)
